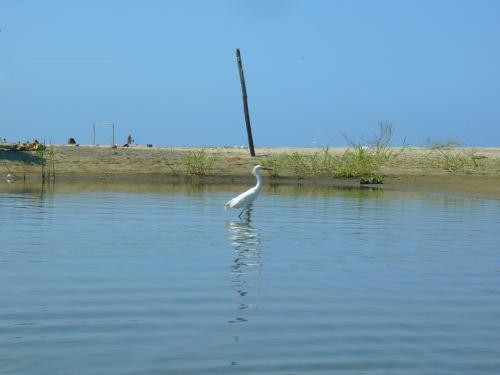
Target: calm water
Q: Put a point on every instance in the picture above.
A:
(121, 279)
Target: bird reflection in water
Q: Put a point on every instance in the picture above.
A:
(247, 245)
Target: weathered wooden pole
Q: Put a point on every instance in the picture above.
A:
(245, 102)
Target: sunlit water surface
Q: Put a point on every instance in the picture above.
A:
(157, 279)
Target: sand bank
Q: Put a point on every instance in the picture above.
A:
(411, 169)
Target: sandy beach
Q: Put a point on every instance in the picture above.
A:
(409, 169)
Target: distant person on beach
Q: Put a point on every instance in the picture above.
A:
(71, 141)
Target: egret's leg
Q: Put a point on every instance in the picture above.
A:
(242, 212)
(249, 212)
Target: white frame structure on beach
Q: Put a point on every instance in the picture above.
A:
(112, 124)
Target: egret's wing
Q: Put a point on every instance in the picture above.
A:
(241, 200)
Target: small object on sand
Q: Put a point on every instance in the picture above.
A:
(149, 145)
(30, 146)
(71, 141)
(126, 145)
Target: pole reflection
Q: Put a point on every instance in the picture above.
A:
(246, 266)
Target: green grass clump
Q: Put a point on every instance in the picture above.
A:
(356, 162)
(199, 163)
(363, 161)
(318, 164)
(46, 157)
(276, 163)
(299, 164)
(322, 163)
(454, 160)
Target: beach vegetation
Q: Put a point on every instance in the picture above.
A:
(362, 158)
(378, 144)
(454, 160)
(199, 162)
(365, 157)
(298, 163)
(50, 159)
(320, 163)
(357, 161)
(46, 157)
(276, 163)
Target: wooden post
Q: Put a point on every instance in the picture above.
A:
(245, 102)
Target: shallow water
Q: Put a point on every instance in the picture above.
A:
(159, 279)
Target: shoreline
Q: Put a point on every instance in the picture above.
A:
(410, 170)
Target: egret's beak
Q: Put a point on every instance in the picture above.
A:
(267, 169)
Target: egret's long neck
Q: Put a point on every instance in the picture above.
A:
(259, 180)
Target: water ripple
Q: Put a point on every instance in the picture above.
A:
(308, 283)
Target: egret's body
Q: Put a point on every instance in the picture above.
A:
(245, 200)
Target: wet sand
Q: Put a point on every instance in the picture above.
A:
(411, 169)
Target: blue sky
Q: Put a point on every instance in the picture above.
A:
(165, 71)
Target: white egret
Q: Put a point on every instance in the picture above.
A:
(244, 200)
